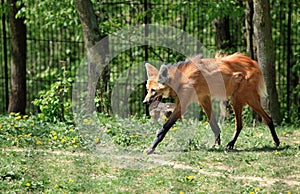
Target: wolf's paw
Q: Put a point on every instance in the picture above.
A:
(215, 146)
(149, 151)
(218, 141)
(230, 145)
(277, 142)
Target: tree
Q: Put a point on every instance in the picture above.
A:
(251, 47)
(95, 54)
(89, 22)
(223, 40)
(17, 101)
(266, 53)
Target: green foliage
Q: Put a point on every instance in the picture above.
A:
(31, 131)
(128, 132)
(4, 8)
(225, 8)
(54, 103)
(103, 96)
(55, 15)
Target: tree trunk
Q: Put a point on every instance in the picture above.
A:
(95, 52)
(89, 22)
(222, 28)
(17, 101)
(251, 46)
(266, 54)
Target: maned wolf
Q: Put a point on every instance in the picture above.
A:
(235, 76)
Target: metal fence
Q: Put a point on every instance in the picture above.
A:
(49, 48)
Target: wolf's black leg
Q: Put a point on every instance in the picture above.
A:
(164, 130)
(159, 137)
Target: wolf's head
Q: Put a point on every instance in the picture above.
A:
(156, 84)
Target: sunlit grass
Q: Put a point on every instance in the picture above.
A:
(43, 157)
(23, 131)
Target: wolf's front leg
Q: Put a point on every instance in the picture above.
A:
(164, 130)
(159, 137)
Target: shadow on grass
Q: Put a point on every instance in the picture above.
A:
(222, 149)
(253, 149)
(265, 149)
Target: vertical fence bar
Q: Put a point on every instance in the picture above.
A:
(5, 57)
(146, 22)
(289, 51)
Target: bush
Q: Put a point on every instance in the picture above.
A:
(53, 103)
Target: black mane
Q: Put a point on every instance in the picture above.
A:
(179, 64)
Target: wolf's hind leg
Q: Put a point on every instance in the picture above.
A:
(237, 105)
(255, 104)
(205, 102)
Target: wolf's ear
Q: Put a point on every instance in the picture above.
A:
(163, 74)
(151, 70)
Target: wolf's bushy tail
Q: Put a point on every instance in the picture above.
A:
(262, 90)
(261, 87)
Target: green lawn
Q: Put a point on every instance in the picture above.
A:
(41, 157)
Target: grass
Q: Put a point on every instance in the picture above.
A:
(42, 157)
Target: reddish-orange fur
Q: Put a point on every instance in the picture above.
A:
(236, 77)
